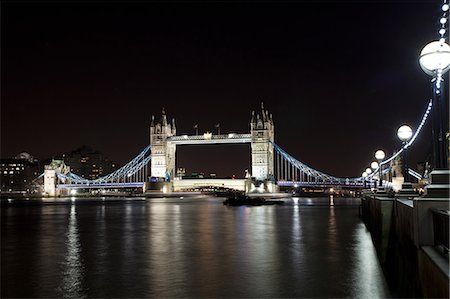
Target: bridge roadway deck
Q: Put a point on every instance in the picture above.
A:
(101, 185)
(180, 185)
(318, 184)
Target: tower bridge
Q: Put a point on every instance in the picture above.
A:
(154, 168)
(164, 142)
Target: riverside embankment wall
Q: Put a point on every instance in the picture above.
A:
(402, 233)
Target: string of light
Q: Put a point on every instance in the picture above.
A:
(443, 30)
(442, 33)
(443, 21)
(409, 143)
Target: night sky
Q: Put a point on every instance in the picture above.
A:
(338, 77)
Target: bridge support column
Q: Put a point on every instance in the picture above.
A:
(162, 151)
(51, 177)
(262, 131)
(50, 182)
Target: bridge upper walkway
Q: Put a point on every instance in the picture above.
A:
(209, 138)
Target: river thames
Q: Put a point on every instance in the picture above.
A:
(191, 247)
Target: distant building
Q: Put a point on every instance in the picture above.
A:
(17, 174)
(196, 175)
(88, 163)
(181, 172)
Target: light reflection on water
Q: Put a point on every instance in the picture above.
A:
(71, 284)
(296, 245)
(367, 275)
(188, 248)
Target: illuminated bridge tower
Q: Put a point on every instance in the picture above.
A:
(51, 177)
(262, 133)
(162, 152)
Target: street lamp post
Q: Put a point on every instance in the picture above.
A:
(379, 155)
(374, 166)
(364, 175)
(368, 171)
(435, 61)
(404, 133)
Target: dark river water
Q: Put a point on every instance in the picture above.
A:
(172, 248)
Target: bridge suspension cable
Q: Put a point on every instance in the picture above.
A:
(133, 171)
(287, 168)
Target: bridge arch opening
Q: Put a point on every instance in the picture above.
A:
(213, 161)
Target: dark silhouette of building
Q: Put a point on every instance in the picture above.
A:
(88, 163)
(17, 174)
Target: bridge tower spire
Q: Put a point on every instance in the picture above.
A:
(162, 152)
(262, 132)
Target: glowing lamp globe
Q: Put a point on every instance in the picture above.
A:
(435, 56)
(379, 155)
(368, 170)
(364, 174)
(404, 133)
(374, 165)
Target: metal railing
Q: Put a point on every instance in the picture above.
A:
(440, 228)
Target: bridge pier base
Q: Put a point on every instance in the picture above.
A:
(162, 187)
(265, 186)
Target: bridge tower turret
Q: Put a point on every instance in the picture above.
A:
(162, 152)
(262, 131)
(51, 176)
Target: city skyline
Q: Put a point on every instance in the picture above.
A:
(339, 78)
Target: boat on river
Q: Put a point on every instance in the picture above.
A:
(241, 199)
